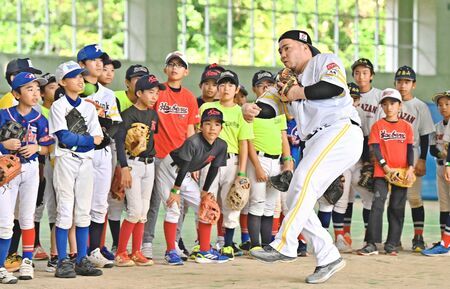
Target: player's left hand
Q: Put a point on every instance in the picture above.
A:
(420, 168)
(295, 93)
(195, 175)
(173, 198)
(447, 174)
(238, 180)
(28, 150)
(250, 111)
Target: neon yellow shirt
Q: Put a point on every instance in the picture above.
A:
(124, 101)
(45, 111)
(268, 134)
(235, 127)
(7, 100)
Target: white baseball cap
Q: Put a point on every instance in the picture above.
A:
(68, 69)
(390, 93)
(177, 54)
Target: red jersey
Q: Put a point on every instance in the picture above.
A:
(393, 138)
(176, 110)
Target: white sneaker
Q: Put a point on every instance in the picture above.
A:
(7, 277)
(342, 245)
(180, 252)
(147, 250)
(98, 260)
(26, 269)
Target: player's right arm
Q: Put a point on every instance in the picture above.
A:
(259, 171)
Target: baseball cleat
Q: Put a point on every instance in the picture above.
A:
(13, 262)
(390, 249)
(270, 255)
(323, 273)
(237, 252)
(140, 259)
(228, 252)
(437, 250)
(194, 252)
(342, 244)
(245, 247)
(65, 269)
(39, 253)
(123, 260)
(172, 258)
(7, 277)
(368, 250)
(86, 268)
(210, 257)
(97, 259)
(147, 250)
(107, 254)
(418, 243)
(52, 264)
(26, 270)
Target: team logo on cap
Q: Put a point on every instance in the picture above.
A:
(213, 112)
(227, 73)
(97, 48)
(212, 73)
(264, 74)
(388, 93)
(302, 36)
(140, 69)
(29, 76)
(152, 79)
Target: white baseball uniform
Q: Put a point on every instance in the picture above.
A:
(437, 139)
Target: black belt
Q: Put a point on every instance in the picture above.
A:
(440, 162)
(146, 160)
(275, 157)
(231, 154)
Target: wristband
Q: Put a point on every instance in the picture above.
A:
(175, 191)
(289, 158)
(241, 174)
(382, 162)
(447, 164)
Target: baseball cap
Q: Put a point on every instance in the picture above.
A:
(212, 113)
(440, 95)
(49, 77)
(68, 69)
(363, 62)
(210, 74)
(21, 65)
(243, 90)
(179, 55)
(89, 52)
(136, 70)
(354, 89)
(214, 66)
(261, 76)
(405, 72)
(24, 78)
(390, 93)
(107, 60)
(228, 75)
(148, 82)
(302, 36)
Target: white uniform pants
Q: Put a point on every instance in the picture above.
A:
(115, 207)
(443, 189)
(366, 195)
(415, 192)
(102, 184)
(327, 155)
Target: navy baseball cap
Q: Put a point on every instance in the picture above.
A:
(148, 82)
(405, 72)
(354, 89)
(363, 62)
(89, 52)
(24, 78)
(136, 70)
(212, 114)
(21, 65)
(301, 36)
(230, 76)
(107, 60)
(261, 76)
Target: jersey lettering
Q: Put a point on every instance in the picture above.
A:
(165, 108)
(394, 135)
(408, 117)
(368, 107)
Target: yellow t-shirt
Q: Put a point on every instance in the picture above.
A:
(268, 134)
(235, 128)
(7, 101)
(124, 101)
(45, 111)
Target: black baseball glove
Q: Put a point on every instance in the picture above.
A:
(12, 129)
(281, 182)
(76, 122)
(366, 178)
(335, 190)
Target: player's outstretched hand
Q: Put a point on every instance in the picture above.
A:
(420, 168)
(12, 144)
(173, 199)
(126, 178)
(28, 150)
(250, 111)
(98, 139)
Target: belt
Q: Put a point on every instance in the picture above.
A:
(275, 157)
(309, 136)
(229, 155)
(440, 162)
(146, 160)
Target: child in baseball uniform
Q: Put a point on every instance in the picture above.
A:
(138, 169)
(208, 83)
(73, 176)
(24, 187)
(438, 149)
(177, 185)
(236, 132)
(391, 140)
(109, 69)
(90, 58)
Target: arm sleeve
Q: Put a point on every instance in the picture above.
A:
(365, 153)
(120, 145)
(184, 169)
(410, 154)
(322, 90)
(434, 151)
(424, 139)
(71, 139)
(212, 173)
(377, 151)
(448, 154)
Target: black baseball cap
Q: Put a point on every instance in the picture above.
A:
(107, 60)
(212, 114)
(354, 89)
(148, 82)
(214, 66)
(210, 74)
(405, 72)
(243, 90)
(261, 76)
(363, 62)
(49, 77)
(18, 65)
(230, 76)
(136, 70)
(301, 36)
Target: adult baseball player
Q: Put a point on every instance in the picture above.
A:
(328, 123)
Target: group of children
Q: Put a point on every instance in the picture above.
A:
(195, 148)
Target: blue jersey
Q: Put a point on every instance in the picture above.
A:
(294, 140)
(36, 126)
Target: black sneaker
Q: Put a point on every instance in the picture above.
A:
(73, 258)
(183, 247)
(52, 263)
(367, 250)
(390, 249)
(86, 268)
(302, 249)
(65, 269)
(418, 243)
(237, 252)
(245, 246)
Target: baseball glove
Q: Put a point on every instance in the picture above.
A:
(239, 193)
(366, 178)
(12, 129)
(289, 79)
(209, 211)
(397, 177)
(10, 167)
(335, 190)
(136, 139)
(281, 182)
(117, 190)
(76, 122)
